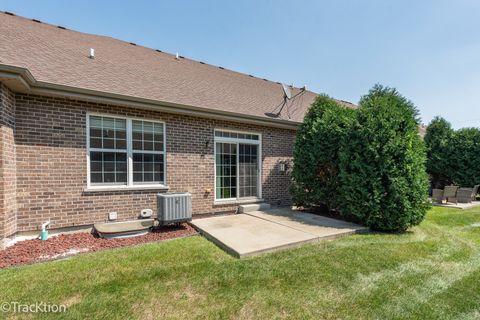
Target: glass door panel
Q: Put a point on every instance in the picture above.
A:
(248, 170)
(226, 170)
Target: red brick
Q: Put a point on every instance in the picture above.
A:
(44, 171)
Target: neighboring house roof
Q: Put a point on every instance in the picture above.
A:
(55, 55)
(422, 130)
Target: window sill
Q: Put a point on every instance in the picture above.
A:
(238, 201)
(126, 188)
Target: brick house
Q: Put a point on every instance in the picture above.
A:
(91, 124)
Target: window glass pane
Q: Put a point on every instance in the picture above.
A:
(107, 133)
(108, 167)
(121, 134)
(147, 145)
(137, 166)
(147, 136)
(137, 125)
(120, 124)
(147, 131)
(121, 176)
(96, 156)
(96, 166)
(108, 144)
(158, 128)
(158, 146)
(95, 122)
(120, 166)
(108, 156)
(235, 135)
(108, 123)
(137, 157)
(137, 135)
(109, 177)
(158, 137)
(95, 132)
(137, 176)
(137, 145)
(148, 168)
(95, 143)
(96, 177)
(148, 176)
(121, 144)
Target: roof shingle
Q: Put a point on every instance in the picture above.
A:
(61, 56)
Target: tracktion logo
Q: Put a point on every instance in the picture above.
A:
(37, 307)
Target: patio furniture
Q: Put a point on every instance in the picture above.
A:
(464, 195)
(450, 193)
(475, 191)
(467, 195)
(437, 195)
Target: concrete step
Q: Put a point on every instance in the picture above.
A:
(245, 208)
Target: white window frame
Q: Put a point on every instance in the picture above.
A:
(238, 141)
(130, 184)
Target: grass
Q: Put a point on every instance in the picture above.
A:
(431, 272)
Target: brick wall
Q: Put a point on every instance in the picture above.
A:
(52, 173)
(7, 164)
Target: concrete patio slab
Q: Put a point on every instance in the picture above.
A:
(264, 231)
(244, 235)
(458, 205)
(314, 224)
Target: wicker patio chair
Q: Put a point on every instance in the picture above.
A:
(464, 195)
(475, 191)
(437, 195)
(450, 193)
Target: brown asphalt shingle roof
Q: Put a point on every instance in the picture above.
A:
(60, 56)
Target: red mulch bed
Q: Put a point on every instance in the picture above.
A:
(57, 247)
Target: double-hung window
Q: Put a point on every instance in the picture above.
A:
(125, 152)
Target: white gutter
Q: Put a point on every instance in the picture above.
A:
(31, 85)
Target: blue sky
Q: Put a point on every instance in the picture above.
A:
(429, 50)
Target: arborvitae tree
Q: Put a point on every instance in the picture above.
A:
(316, 153)
(438, 140)
(453, 156)
(382, 163)
(464, 157)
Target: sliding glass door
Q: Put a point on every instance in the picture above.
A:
(237, 165)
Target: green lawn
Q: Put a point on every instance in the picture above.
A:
(431, 272)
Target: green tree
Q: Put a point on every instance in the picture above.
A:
(452, 155)
(464, 157)
(438, 140)
(316, 153)
(382, 163)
